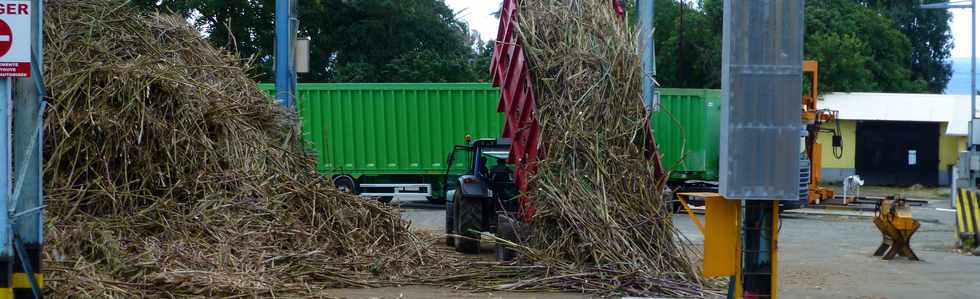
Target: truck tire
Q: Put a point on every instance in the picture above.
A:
(437, 201)
(450, 213)
(506, 230)
(469, 214)
(345, 184)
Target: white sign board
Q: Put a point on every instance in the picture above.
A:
(15, 38)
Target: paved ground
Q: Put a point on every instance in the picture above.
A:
(820, 257)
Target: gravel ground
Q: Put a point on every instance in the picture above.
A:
(819, 257)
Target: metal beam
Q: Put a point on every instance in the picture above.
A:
(286, 26)
(26, 205)
(944, 6)
(648, 54)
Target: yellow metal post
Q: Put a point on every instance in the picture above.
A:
(682, 197)
(721, 237)
(775, 248)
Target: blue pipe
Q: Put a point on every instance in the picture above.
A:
(6, 119)
(649, 54)
(285, 82)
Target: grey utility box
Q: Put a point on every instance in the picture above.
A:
(762, 83)
(968, 170)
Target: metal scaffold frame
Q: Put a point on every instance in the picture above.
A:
(21, 164)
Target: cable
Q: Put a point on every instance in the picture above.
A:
(835, 132)
(838, 150)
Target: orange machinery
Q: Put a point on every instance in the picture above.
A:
(813, 118)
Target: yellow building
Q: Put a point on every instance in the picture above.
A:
(894, 139)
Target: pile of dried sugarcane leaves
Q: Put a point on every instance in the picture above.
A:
(601, 224)
(169, 173)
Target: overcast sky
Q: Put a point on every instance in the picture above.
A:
(477, 14)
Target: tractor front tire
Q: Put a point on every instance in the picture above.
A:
(469, 214)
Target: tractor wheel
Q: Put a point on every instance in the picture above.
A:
(450, 213)
(345, 184)
(507, 230)
(469, 214)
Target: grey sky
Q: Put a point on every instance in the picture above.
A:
(477, 14)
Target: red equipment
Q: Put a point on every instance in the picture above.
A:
(618, 6)
(509, 71)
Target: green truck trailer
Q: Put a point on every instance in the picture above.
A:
(385, 140)
(687, 128)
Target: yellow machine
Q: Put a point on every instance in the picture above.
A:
(895, 222)
(813, 118)
(724, 229)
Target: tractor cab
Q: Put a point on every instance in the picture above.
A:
(486, 192)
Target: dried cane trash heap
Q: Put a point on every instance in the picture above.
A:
(599, 205)
(169, 173)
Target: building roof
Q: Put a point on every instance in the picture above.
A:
(950, 109)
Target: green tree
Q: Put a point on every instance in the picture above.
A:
(884, 50)
(688, 46)
(858, 48)
(929, 33)
(352, 40)
(848, 59)
(241, 26)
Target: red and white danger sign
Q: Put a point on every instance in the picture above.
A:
(15, 38)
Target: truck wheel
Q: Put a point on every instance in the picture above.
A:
(506, 230)
(450, 241)
(469, 213)
(345, 184)
(434, 200)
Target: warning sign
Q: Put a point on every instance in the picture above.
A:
(15, 38)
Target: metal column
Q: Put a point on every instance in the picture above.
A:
(651, 99)
(762, 58)
(26, 204)
(6, 244)
(286, 26)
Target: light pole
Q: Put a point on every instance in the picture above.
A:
(286, 25)
(972, 5)
(648, 55)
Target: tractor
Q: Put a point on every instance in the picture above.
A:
(484, 198)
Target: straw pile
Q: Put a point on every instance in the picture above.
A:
(170, 174)
(601, 219)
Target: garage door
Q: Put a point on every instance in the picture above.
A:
(897, 153)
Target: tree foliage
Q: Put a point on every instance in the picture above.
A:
(351, 40)
(929, 32)
(846, 29)
(862, 45)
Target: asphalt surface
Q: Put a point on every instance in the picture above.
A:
(820, 256)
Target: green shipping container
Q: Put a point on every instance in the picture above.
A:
(687, 131)
(394, 134)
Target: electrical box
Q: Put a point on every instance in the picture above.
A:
(968, 170)
(762, 76)
(302, 55)
(975, 132)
